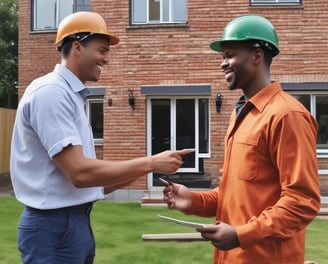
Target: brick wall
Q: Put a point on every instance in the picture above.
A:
(155, 55)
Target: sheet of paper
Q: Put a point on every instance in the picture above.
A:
(181, 222)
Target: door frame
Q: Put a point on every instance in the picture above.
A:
(172, 132)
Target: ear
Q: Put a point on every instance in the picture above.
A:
(258, 56)
(76, 47)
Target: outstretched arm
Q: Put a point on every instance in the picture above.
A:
(86, 172)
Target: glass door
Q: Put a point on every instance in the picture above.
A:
(172, 126)
(185, 131)
(160, 125)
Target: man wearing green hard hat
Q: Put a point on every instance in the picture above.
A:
(269, 190)
(251, 28)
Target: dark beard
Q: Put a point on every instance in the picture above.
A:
(233, 85)
(240, 78)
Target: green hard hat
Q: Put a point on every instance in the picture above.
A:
(250, 27)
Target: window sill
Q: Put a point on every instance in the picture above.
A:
(46, 31)
(98, 142)
(278, 5)
(322, 155)
(159, 25)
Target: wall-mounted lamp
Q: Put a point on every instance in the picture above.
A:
(218, 102)
(131, 100)
(110, 101)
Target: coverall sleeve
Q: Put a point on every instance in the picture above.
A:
(204, 203)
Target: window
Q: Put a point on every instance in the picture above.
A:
(158, 11)
(317, 105)
(179, 123)
(275, 2)
(203, 127)
(178, 117)
(95, 113)
(48, 13)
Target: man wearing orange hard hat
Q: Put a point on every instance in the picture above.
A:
(83, 24)
(54, 169)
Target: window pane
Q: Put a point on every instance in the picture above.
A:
(304, 99)
(203, 126)
(185, 129)
(263, 1)
(322, 118)
(166, 10)
(160, 125)
(160, 130)
(154, 10)
(288, 1)
(274, 1)
(139, 11)
(82, 5)
(96, 116)
(65, 8)
(158, 11)
(49, 13)
(179, 11)
(44, 14)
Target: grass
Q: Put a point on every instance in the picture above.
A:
(118, 228)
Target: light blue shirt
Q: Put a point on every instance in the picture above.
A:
(50, 117)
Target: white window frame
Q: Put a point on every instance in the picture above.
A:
(275, 2)
(55, 7)
(173, 130)
(89, 101)
(146, 20)
(173, 118)
(321, 153)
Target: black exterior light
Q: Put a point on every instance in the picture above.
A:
(131, 100)
(218, 102)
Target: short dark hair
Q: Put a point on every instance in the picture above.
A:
(267, 48)
(252, 45)
(267, 57)
(267, 51)
(66, 47)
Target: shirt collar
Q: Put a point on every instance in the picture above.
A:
(261, 99)
(75, 84)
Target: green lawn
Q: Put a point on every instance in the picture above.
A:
(118, 228)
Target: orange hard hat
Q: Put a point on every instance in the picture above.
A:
(83, 22)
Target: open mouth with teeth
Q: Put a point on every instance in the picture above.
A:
(99, 67)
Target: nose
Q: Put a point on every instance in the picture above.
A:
(106, 59)
(224, 64)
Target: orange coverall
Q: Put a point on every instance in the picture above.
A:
(269, 188)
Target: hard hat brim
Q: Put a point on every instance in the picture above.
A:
(113, 40)
(216, 46)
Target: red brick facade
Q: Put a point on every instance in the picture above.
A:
(171, 55)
